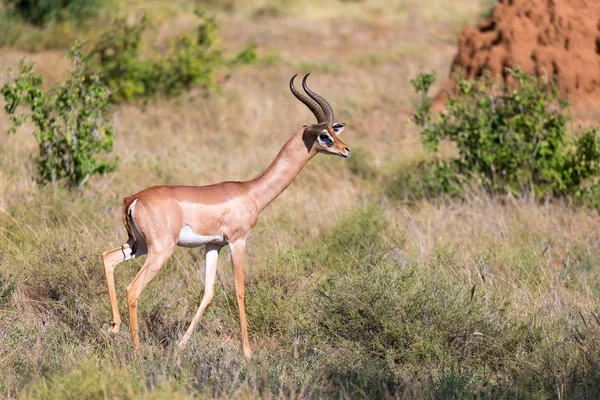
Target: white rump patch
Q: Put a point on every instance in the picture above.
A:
(131, 208)
(139, 238)
(188, 238)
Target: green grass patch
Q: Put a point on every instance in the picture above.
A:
(341, 315)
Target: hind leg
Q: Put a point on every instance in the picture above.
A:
(111, 258)
(154, 262)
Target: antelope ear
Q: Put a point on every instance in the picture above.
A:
(338, 127)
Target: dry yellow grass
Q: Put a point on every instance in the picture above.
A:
(197, 139)
(361, 55)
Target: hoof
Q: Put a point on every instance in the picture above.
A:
(115, 329)
(177, 359)
(247, 353)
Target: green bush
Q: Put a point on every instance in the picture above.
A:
(116, 57)
(69, 121)
(189, 62)
(43, 12)
(511, 138)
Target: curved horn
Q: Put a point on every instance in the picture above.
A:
(320, 100)
(308, 102)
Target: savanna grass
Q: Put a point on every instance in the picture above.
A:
(344, 314)
(349, 292)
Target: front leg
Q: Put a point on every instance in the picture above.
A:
(212, 255)
(237, 262)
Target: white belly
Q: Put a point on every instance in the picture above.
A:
(188, 238)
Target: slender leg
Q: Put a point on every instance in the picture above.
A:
(237, 261)
(111, 258)
(153, 264)
(212, 255)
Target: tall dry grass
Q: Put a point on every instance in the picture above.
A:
(348, 292)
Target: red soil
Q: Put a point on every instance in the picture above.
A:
(557, 37)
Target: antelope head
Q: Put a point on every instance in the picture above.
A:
(325, 132)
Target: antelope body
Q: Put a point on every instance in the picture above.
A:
(224, 214)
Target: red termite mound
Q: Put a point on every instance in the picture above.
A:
(558, 37)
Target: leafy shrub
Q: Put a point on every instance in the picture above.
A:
(512, 138)
(69, 122)
(116, 57)
(189, 62)
(42, 12)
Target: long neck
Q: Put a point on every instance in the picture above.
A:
(285, 167)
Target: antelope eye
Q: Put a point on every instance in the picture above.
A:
(326, 139)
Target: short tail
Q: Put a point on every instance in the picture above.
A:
(127, 201)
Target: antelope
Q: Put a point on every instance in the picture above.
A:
(224, 214)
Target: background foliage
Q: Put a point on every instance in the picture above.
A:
(43, 12)
(510, 139)
(70, 122)
(188, 61)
